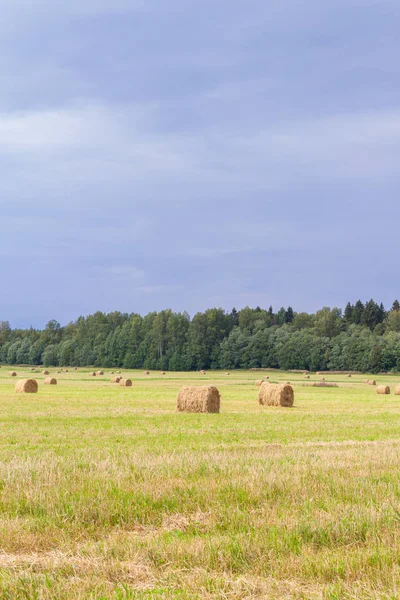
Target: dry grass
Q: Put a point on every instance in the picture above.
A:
(110, 493)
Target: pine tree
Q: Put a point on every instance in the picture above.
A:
(289, 315)
(396, 305)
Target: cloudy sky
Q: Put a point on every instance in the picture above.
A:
(188, 154)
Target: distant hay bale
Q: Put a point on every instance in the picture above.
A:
(147, 372)
(99, 373)
(349, 375)
(371, 382)
(318, 373)
(163, 372)
(307, 377)
(26, 386)
(12, 374)
(75, 368)
(397, 390)
(266, 376)
(276, 395)
(93, 374)
(383, 389)
(50, 381)
(66, 370)
(112, 373)
(202, 399)
(258, 382)
(45, 372)
(227, 373)
(125, 382)
(115, 379)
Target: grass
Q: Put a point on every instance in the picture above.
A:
(108, 493)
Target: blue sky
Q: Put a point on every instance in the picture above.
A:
(189, 154)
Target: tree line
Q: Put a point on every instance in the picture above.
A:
(363, 337)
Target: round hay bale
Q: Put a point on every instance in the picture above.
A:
(147, 372)
(125, 382)
(266, 377)
(307, 377)
(93, 374)
(66, 370)
(163, 372)
(98, 373)
(397, 390)
(45, 372)
(50, 381)
(276, 395)
(115, 379)
(200, 399)
(26, 386)
(371, 382)
(383, 389)
(258, 382)
(12, 374)
(349, 375)
(227, 373)
(112, 373)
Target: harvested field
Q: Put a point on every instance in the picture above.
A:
(112, 494)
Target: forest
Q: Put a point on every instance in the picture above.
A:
(364, 337)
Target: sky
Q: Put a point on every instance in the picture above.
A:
(187, 155)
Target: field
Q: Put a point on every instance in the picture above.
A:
(108, 492)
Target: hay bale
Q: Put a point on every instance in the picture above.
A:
(276, 395)
(98, 373)
(163, 372)
(383, 389)
(66, 370)
(45, 372)
(93, 374)
(371, 382)
(227, 373)
(266, 377)
(12, 374)
(112, 373)
(397, 390)
(307, 377)
(125, 382)
(258, 382)
(26, 386)
(202, 399)
(115, 379)
(147, 372)
(50, 381)
(349, 375)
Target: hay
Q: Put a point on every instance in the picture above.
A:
(276, 395)
(99, 373)
(163, 372)
(125, 382)
(202, 399)
(307, 377)
(383, 389)
(397, 390)
(115, 379)
(45, 373)
(147, 372)
(258, 382)
(349, 375)
(371, 382)
(227, 373)
(50, 381)
(26, 386)
(12, 374)
(93, 374)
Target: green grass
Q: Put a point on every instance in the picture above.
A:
(108, 493)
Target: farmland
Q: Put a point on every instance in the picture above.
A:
(108, 492)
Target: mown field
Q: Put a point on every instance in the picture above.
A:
(109, 493)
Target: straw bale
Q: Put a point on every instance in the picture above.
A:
(397, 390)
(125, 382)
(115, 379)
(26, 386)
(383, 389)
(276, 395)
(99, 373)
(202, 399)
(371, 382)
(258, 382)
(50, 381)
(12, 374)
